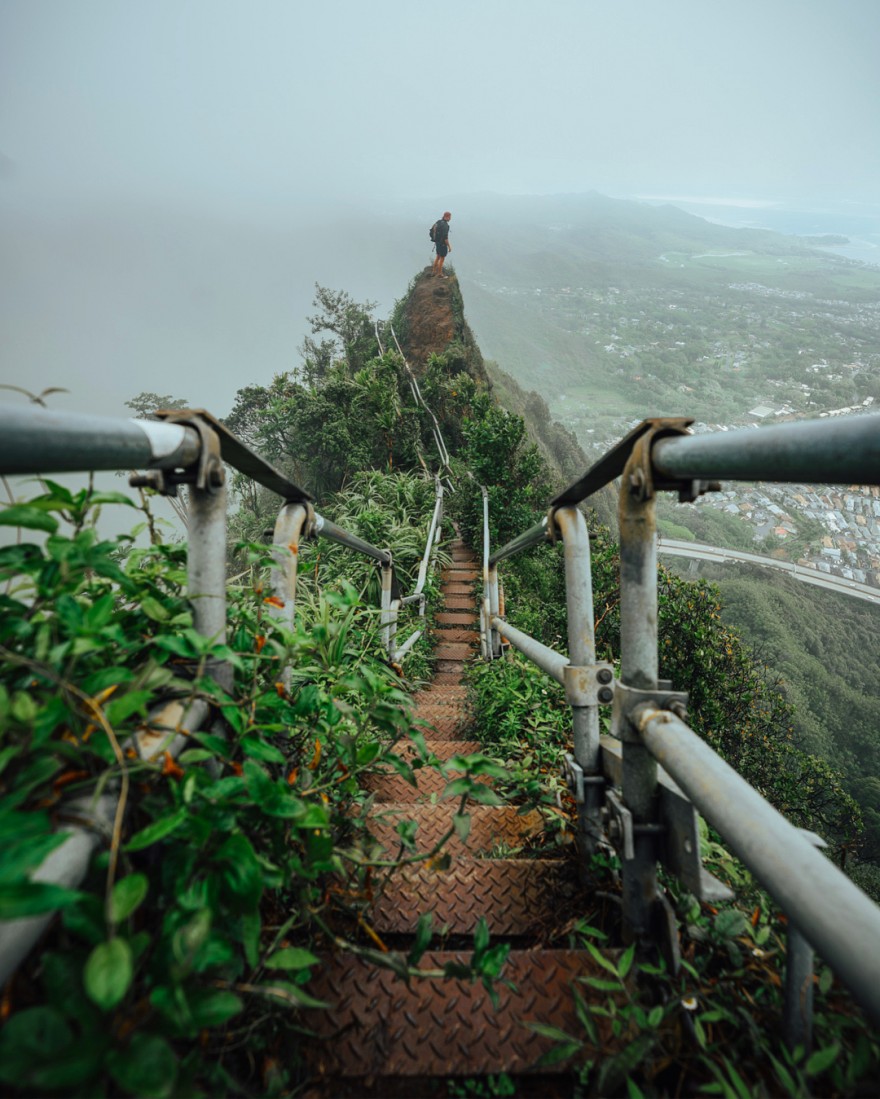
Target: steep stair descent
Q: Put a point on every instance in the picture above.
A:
(386, 1038)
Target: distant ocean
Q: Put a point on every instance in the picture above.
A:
(859, 221)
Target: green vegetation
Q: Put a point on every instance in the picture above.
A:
(614, 311)
(181, 966)
(823, 648)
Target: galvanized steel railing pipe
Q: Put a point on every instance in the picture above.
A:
(336, 534)
(639, 669)
(582, 652)
(42, 440)
(843, 450)
(840, 921)
(547, 659)
(531, 537)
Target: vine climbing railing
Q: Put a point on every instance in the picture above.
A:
(640, 787)
(181, 448)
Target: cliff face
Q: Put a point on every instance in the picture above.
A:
(430, 321)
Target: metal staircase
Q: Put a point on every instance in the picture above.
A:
(384, 1037)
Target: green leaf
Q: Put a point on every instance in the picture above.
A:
(30, 518)
(626, 961)
(290, 994)
(292, 957)
(127, 895)
(462, 823)
(546, 1030)
(119, 709)
(147, 1068)
(742, 1091)
(600, 959)
(156, 831)
(731, 922)
(633, 1089)
(31, 898)
(26, 853)
(601, 985)
(211, 1007)
(424, 931)
(111, 498)
(822, 1059)
(481, 936)
(558, 1053)
(108, 973)
(257, 748)
(152, 608)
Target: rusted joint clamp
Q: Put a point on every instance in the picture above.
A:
(552, 534)
(308, 530)
(634, 707)
(589, 684)
(209, 475)
(640, 480)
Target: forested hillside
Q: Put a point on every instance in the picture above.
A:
(183, 963)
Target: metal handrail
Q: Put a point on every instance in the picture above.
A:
(824, 907)
(184, 447)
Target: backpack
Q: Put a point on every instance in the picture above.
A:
(432, 232)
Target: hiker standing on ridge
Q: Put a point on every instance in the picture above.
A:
(440, 236)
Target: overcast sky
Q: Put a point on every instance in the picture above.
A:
(271, 111)
(271, 99)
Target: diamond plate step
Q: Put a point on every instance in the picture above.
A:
(436, 693)
(490, 825)
(454, 650)
(394, 787)
(454, 633)
(459, 603)
(442, 748)
(449, 671)
(517, 896)
(463, 574)
(457, 618)
(381, 1027)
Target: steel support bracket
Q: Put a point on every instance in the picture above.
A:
(619, 826)
(644, 481)
(208, 475)
(628, 699)
(589, 684)
(576, 779)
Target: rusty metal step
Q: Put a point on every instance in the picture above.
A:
(442, 747)
(517, 896)
(455, 587)
(459, 572)
(455, 633)
(394, 787)
(460, 603)
(446, 728)
(458, 618)
(491, 825)
(441, 694)
(379, 1026)
(452, 668)
(449, 677)
(454, 650)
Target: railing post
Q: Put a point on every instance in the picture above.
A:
(581, 652)
(206, 562)
(290, 527)
(494, 637)
(797, 1020)
(639, 669)
(388, 617)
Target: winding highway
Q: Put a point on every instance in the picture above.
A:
(698, 551)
